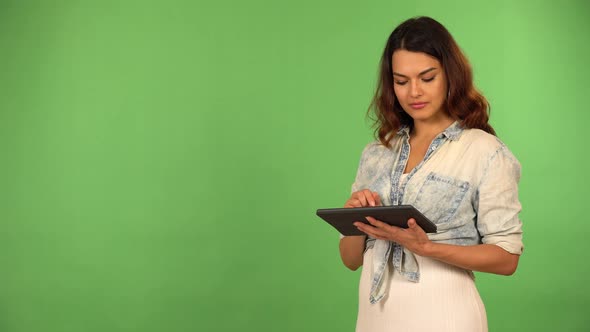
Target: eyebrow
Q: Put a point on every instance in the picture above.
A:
(421, 73)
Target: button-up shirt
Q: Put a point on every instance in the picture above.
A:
(467, 184)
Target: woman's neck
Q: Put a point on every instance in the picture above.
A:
(429, 130)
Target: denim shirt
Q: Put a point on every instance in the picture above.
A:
(467, 184)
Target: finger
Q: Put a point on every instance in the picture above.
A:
(371, 231)
(378, 223)
(413, 225)
(353, 202)
(360, 196)
(361, 227)
(369, 197)
(376, 198)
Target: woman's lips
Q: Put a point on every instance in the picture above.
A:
(418, 106)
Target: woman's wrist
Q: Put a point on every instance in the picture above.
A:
(430, 249)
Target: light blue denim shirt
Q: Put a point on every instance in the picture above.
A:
(467, 185)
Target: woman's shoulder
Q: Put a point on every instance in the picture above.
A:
(374, 146)
(485, 144)
(481, 140)
(376, 153)
(372, 149)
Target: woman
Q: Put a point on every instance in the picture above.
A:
(437, 152)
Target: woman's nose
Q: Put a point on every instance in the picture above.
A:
(415, 89)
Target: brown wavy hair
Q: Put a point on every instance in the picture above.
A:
(464, 102)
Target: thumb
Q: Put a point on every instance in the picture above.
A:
(413, 225)
(377, 198)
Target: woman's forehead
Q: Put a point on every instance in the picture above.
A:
(413, 62)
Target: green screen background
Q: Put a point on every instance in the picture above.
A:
(162, 161)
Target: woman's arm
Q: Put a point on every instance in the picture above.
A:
(483, 257)
(352, 248)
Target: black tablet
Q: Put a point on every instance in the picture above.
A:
(397, 215)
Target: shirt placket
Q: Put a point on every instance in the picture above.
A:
(397, 192)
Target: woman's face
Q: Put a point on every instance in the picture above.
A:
(420, 86)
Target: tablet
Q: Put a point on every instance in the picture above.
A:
(396, 215)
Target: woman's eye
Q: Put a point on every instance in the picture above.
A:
(428, 79)
(401, 82)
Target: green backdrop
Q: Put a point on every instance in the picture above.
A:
(162, 161)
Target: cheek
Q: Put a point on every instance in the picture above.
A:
(440, 91)
(443, 89)
(398, 93)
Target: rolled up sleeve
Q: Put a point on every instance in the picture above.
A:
(498, 204)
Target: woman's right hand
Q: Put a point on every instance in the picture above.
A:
(352, 248)
(363, 198)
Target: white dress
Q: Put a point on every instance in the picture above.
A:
(444, 300)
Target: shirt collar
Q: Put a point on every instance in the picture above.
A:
(452, 132)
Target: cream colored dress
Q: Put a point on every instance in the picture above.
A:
(444, 300)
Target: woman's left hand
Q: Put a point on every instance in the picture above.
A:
(413, 238)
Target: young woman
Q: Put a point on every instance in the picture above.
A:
(437, 152)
